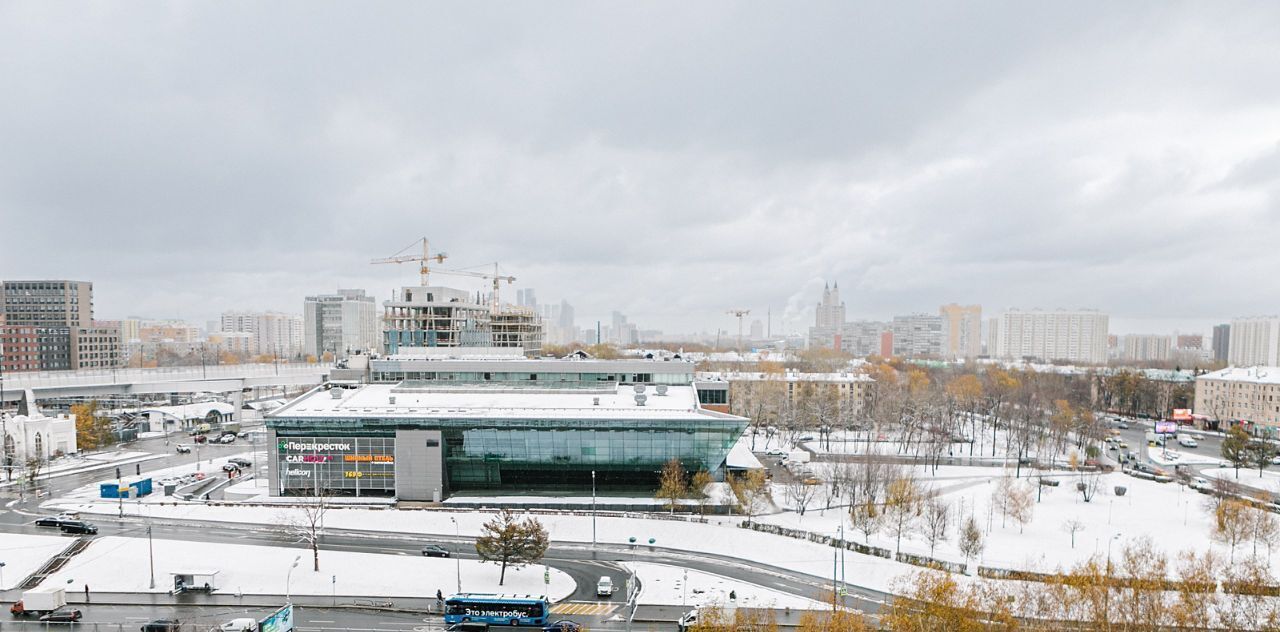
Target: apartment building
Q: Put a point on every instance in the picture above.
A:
(1255, 341)
(1147, 348)
(917, 335)
(48, 303)
(961, 330)
(1078, 336)
(1234, 394)
(19, 348)
(273, 333)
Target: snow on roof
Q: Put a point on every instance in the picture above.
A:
(1253, 374)
(741, 458)
(416, 399)
(789, 376)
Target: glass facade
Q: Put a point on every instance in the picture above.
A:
(342, 465)
(559, 454)
(531, 377)
(511, 454)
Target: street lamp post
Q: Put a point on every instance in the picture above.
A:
(1, 573)
(151, 553)
(288, 578)
(593, 508)
(457, 561)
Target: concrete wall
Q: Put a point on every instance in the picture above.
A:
(419, 465)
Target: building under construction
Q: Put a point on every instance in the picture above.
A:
(446, 317)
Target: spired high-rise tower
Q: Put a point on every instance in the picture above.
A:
(828, 323)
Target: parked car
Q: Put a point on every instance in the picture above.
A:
(435, 550)
(62, 615)
(687, 620)
(227, 438)
(243, 624)
(242, 462)
(200, 439)
(172, 480)
(775, 452)
(162, 625)
(1275, 460)
(79, 527)
(1200, 484)
(184, 448)
(52, 521)
(563, 625)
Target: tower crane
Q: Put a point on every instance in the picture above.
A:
(740, 313)
(425, 257)
(439, 257)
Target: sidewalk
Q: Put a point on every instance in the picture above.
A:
(670, 614)
(419, 605)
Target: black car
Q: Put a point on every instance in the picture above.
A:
(243, 463)
(468, 626)
(52, 521)
(62, 615)
(563, 625)
(79, 527)
(162, 625)
(435, 550)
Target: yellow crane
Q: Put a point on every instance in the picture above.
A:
(439, 257)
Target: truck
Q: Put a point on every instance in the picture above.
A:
(36, 603)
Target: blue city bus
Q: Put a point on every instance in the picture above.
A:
(496, 609)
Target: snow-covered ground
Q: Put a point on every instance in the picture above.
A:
(662, 584)
(210, 467)
(120, 564)
(1186, 457)
(80, 462)
(1269, 479)
(24, 554)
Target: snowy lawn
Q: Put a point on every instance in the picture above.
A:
(80, 462)
(119, 564)
(1248, 476)
(24, 554)
(1185, 457)
(211, 467)
(666, 585)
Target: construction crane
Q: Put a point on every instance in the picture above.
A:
(439, 257)
(740, 313)
(425, 257)
(495, 277)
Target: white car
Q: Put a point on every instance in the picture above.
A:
(1187, 441)
(1199, 483)
(240, 625)
(1275, 460)
(604, 587)
(172, 480)
(775, 452)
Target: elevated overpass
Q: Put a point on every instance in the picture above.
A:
(231, 378)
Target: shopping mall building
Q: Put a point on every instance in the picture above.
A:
(432, 424)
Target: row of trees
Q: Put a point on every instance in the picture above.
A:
(1140, 590)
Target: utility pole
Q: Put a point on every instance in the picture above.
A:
(740, 313)
(151, 552)
(593, 508)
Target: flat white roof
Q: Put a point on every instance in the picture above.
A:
(789, 376)
(1252, 374)
(413, 400)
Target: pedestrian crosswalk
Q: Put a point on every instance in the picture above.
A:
(583, 608)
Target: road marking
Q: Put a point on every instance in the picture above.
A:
(584, 608)
(319, 621)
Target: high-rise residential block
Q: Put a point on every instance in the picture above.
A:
(828, 322)
(341, 324)
(19, 348)
(917, 335)
(1073, 336)
(961, 330)
(273, 333)
(1221, 342)
(96, 347)
(1147, 348)
(1255, 341)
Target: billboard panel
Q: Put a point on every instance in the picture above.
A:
(1166, 427)
(278, 621)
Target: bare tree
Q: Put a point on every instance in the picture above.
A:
(902, 500)
(801, 494)
(867, 518)
(1073, 526)
(306, 524)
(970, 540)
(936, 521)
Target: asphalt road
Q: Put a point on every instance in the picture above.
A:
(582, 562)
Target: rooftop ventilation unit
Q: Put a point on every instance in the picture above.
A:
(595, 401)
(335, 393)
(391, 400)
(639, 388)
(640, 400)
(662, 389)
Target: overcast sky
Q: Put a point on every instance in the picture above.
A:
(668, 160)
